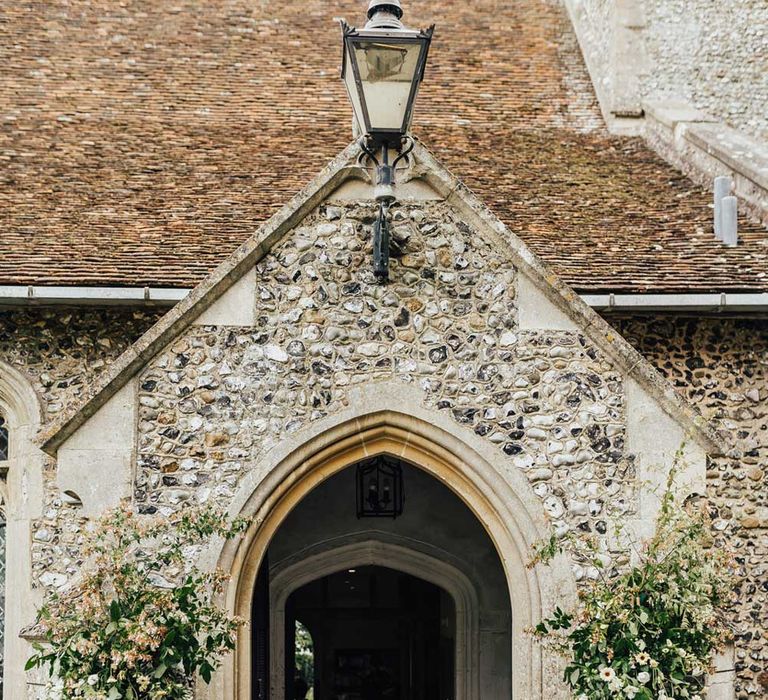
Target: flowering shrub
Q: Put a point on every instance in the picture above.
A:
(142, 622)
(646, 631)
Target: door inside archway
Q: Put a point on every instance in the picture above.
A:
(376, 634)
(413, 607)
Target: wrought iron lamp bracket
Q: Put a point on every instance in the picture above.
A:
(385, 196)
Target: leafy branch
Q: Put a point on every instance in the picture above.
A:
(142, 621)
(648, 629)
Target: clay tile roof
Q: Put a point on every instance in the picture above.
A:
(142, 141)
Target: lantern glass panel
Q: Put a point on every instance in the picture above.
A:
(386, 72)
(354, 94)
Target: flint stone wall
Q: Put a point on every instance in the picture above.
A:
(718, 364)
(712, 55)
(61, 351)
(219, 398)
(721, 367)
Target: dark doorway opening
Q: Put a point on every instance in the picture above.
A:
(377, 634)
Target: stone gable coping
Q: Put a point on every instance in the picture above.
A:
(199, 299)
(456, 194)
(585, 318)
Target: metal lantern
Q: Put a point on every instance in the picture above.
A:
(383, 67)
(380, 488)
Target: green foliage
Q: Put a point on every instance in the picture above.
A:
(646, 630)
(305, 654)
(142, 621)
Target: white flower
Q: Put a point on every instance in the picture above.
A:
(607, 674)
(630, 691)
(93, 680)
(616, 684)
(642, 658)
(643, 677)
(55, 691)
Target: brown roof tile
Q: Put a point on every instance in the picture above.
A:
(142, 141)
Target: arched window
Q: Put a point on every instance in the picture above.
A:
(20, 416)
(2, 594)
(4, 440)
(4, 450)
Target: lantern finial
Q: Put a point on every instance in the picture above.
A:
(392, 6)
(385, 14)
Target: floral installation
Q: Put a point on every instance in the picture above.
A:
(142, 622)
(646, 627)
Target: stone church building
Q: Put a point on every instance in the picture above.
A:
(189, 315)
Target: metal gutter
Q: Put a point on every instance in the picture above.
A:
(20, 295)
(677, 302)
(16, 295)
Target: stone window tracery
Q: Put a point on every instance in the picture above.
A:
(19, 418)
(2, 594)
(4, 456)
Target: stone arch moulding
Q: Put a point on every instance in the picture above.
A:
(19, 403)
(501, 498)
(21, 501)
(375, 552)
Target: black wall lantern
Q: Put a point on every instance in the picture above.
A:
(383, 66)
(380, 488)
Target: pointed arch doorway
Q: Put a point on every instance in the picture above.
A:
(500, 500)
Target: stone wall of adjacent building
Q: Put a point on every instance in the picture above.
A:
(712, 55)
(721, 367)
(594, 28)
(61, 351)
